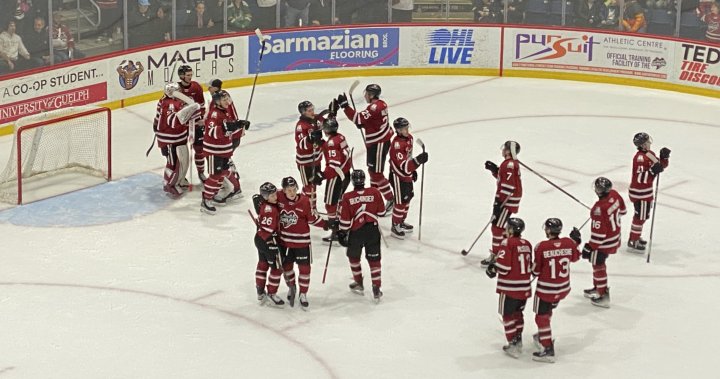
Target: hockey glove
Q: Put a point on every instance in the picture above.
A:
(342, 100)
(491, 270)
(422, 158)
(492, 167)
(414, 176)
(245, 124)
(657, 168)
(232, 126)
(587, 251)
(257, 202)
(575, 236)
(318, 179)
(333, 108)
(316, 137)
(186, 113)
(342, 236)
(664, 153)
(334, 224)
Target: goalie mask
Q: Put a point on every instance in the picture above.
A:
(171, 88)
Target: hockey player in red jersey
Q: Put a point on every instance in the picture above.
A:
(403, 173)
(646, 166)
(375, 120)
(359, 229)
(507, 194)
(171, 129)
(604, 238)
(512, 268)
(338, 161)
(296, 216)
(218, 148)
(551, 266)
(228, 192)
(308, 156)
(193, 90)
(266, 241)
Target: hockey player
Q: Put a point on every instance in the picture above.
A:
(218, 148)
(266, 241)
(359, 229)
(646, 166)
(604, 238)
(507, 194)
(402, 175)
(171, 129)
(307, 155)
(296, 216)
(374, 119)
(228, 191)
(512, 267)
(551, 266)
(193, 90)
(338, 161)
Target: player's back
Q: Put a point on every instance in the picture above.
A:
(360, 207)
(513, 265)
(552, 268)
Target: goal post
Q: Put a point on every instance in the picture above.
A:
(58, 152)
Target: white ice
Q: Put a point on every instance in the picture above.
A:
(171, 294)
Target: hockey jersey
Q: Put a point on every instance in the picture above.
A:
(296, 216)
(268, 220)
(168, 128)
(305, 153)
(216, 140)
(337, 157)
(513, 263)
(641, 183)
(361, 207)
(509, 185)
(552, 268)
(605, 221)
(374, 119)
(195, 92)
(402, 163)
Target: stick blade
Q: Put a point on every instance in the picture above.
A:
(464, 252)
(354, 85)
(259, 35)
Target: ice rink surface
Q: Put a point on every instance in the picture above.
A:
(144, 287)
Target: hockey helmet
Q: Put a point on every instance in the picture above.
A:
(373, 90)
(401, 123)
(219, 95)
(641, 139)
(184, 69)
(515, 226)
(304, 106)
(289, 182)
(553, 226)
(513, 147)
(602, 186)
(215, 83)
(330, 125)
(171, 88)
(358, 178)
(267, 189)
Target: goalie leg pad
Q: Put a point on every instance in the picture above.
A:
(183, 161)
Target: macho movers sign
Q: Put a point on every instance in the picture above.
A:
(618, 55)
(319, 49)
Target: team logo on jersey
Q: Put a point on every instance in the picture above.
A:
(597, 211)
(451, 46)
(540, 47)
(288, 219)
(129, 73)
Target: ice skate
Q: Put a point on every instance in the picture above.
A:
(357, 288)
(261, 296)
(590, 293)
(406, 227)
(546, 355)
(602, 301)
(303, 302)
(377, 294)
(398, 232)
(275, 301)
(514, 348)
(635, 246)
(207, 207)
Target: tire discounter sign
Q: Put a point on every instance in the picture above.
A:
(697, 65)
(588, 52)
(326, 49)
(449, 46)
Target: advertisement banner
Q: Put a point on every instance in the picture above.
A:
(450, 46)
(78, 96)
(697, 65)
(148, 71)
(319, 49)
(588, 52)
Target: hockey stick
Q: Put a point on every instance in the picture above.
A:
(327, 260)
(354, 85)
(652, 222)
(553, 184)
(492, 217)
(422, 190)
(262, 39)
(278, 264)
(191, 140)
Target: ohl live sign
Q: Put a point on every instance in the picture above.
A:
(569, 51)
(322, 49)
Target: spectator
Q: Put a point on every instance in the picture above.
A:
(139, 24)
(610, 15)
(37, 43)
(710, 14)
(515, 11)
(321, 12)
(263, 12)
(589, 13)
(23, 15)
(63, 42)
(215, 9)
(159, 27)
(634, 18)
(199, 24)
(487, 11)
(111, 14)
(13, 54)
(402, 10)
(239, 17)
(297, 12)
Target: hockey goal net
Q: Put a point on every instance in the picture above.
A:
(57, 152)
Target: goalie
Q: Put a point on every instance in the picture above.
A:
(171, 122)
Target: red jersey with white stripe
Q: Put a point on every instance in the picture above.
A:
(305, 153)
(552, 268)
(231, 111)
(374, 120)
(337, 157)
(195, 92)
(509, 185)
(605, 221)
(168, 128)
(641, 183)
(296, 216)
(401, 162)
(513, 263)
(360, 207)
(217, 141)
(269, 220)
